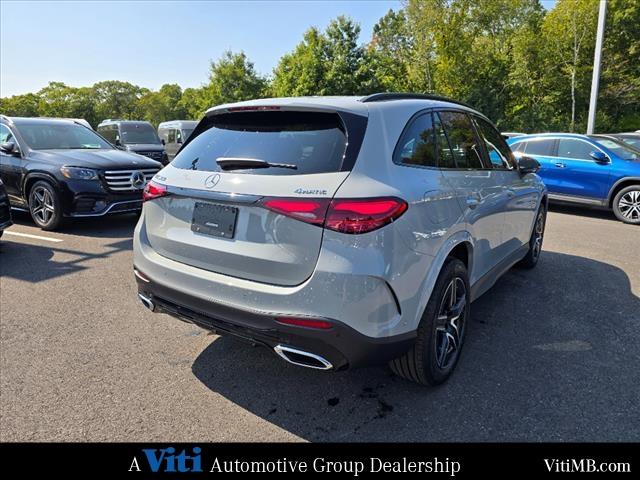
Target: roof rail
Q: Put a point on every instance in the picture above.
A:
(381, 97)
(7, 119)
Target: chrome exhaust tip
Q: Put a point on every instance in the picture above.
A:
(147, 302)
(302, 358)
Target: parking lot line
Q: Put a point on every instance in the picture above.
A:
(35, 237)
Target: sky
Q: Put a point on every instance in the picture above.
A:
(150, 43)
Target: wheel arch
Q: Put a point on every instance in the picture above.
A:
(33, 177)
(619, 185)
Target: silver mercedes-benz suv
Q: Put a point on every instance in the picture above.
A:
(339, 231)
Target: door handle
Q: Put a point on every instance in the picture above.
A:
(511, 193)
(560, 165)
(472, 202)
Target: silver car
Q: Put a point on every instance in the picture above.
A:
(339, 231)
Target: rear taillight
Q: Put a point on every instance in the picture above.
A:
(153, 190)
(363, 215)
(309, 210)
(352, 216)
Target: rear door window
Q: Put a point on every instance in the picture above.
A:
(462, 140)
(540, 147)
(312, 142)
(417, 144)
(500, 154)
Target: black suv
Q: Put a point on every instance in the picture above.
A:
(60, 168)
(134, 136)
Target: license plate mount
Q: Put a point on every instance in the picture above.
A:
(214, 219)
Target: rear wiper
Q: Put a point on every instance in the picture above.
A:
(235, 163)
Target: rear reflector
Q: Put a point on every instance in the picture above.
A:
(352, 216)
(141, 275)
(153, 190)
(305, 322)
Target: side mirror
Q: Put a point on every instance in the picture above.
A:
(527, 165)
(9, 148)
(599, 157)
(162, 141)
(118, 142)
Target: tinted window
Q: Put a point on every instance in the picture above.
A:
(186, 133)
(417, 145)
(42, 136)
(109, 133)
(570, 148)
(136, 133)
(5, 134)
(462, 140)
(518, 146)
(620, 149)
(540, 147)
(313, 142)
(500, 155)
(445, 157)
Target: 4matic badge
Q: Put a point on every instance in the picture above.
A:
(304, 191)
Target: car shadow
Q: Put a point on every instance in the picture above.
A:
(551, 354)
(583, 210)
(36, 263)
(110, 226)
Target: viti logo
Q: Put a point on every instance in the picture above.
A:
(166, 460)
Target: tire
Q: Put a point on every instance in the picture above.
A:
(430, 361)
(626, 205)
(45, 206)
(530, 260)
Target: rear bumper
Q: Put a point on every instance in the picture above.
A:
(342, 346)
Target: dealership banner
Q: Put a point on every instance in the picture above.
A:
(352, 460)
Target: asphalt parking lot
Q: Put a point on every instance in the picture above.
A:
(552, 354)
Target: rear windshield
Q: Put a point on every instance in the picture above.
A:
(307, 142)
(138, 133)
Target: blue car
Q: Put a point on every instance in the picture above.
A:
(594, 170)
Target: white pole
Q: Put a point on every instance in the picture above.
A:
(595, 80)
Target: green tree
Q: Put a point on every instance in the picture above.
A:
(161, 106)
(391, 52)
(116, 99)
(232, 78)
(302, 72)
(20, 105)
(326, 63)
(568, 33)
(619, 101)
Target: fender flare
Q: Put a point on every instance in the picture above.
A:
(615, 185)
(38, 175)
(446, 248)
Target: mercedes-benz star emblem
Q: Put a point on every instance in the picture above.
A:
(212, 180)
(137, 180)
